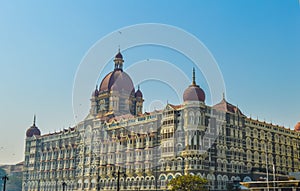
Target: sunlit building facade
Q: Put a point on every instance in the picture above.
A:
(119, 146)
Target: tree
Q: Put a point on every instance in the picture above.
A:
(188, 183)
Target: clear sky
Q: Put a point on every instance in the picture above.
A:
(255, 43)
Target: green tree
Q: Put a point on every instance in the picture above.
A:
(188, 183)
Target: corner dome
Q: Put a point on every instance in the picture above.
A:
(33, 130)
(118, 80)
(297, 127)
(194, 92)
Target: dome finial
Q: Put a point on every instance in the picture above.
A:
(138, 93)
(119, 60)
(194, 77)
(223, 95)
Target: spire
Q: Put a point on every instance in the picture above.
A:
(194, 77)
(95, 92)
(223, 95)
(34, 118)
(139, 87)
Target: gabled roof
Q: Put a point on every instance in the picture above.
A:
(227, 107)
(174, 107)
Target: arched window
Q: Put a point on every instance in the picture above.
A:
(262, 146)
(249, 155)
(255, 133)
(263, 158)
(276, 137)
(256, 156)
(219, 181)
(262, 134)
(248, 131)
(283, 161)
(283, 149)
(255, 144)
(277, 160)
(270, 147)
(191, 117)
(248, 143)
(288, 141)
(249, 167)
(198, 118)
(224, 165)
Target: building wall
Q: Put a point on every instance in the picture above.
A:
(153, 148)
(50, 160)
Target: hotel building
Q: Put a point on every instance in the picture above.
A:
(119, 146)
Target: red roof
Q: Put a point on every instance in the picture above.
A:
(175, 106)
(227, 107)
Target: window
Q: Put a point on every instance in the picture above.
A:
(248, 131)
(262, 134)
(255, 133)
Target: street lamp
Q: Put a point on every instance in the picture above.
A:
(118, 174)
(4, 178)
(98, 175)
(64, 185)
(156, 175)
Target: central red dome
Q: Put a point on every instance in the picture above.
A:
(119, 79)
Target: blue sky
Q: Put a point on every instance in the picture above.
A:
(255, 43)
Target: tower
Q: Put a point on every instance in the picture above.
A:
(139, 101)
(31, 151)
(116, 94)
(194, 114)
